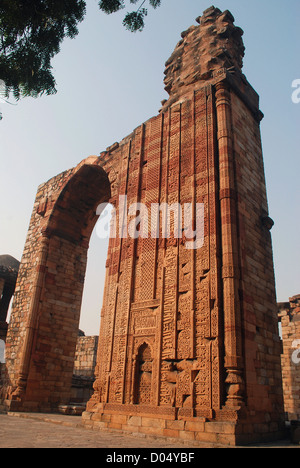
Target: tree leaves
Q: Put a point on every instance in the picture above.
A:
(31, 33)
(155, 3)
(111, 6)
(133, 21)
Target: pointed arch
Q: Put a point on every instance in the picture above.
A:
(61, 245)
(143, 375)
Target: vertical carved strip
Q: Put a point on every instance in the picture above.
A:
(150, 194)
(210, 273)
(164, 241)
(193, 251)
(202, 381)
(161, 308)
(186, 272)
(178, 241)
(215, 263)
(132, 264)
(158, 200)
(121, 223)
(171, 256)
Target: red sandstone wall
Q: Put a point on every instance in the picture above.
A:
(158, 301)
(289, 316)
(46, 196)
(257, 285)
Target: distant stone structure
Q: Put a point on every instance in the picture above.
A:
(84, 369)
(289, 316)
(189, 344)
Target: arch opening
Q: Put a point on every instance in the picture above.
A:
(91, 311)
(95, 274)
(143, 376)
(47, 360)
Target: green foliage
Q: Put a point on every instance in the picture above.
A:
(31, 33)
(134, 21)
(111, 6)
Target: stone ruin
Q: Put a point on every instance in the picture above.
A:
(83, 374)
(289, 317)
(86, 348)
(189, 344)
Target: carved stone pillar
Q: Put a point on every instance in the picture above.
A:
(230, 263)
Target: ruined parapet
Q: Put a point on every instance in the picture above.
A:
(214, 45)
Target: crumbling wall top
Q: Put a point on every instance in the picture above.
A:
(290, 309)
(215, 44)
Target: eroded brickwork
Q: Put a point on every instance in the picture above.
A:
(289, 317)
(189, 343)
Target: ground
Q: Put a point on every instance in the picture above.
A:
(18, 430)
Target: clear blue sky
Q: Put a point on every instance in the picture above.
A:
(109, 81)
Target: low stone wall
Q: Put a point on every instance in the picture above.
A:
(194, 430)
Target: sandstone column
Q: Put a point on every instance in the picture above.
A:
(230, 267)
